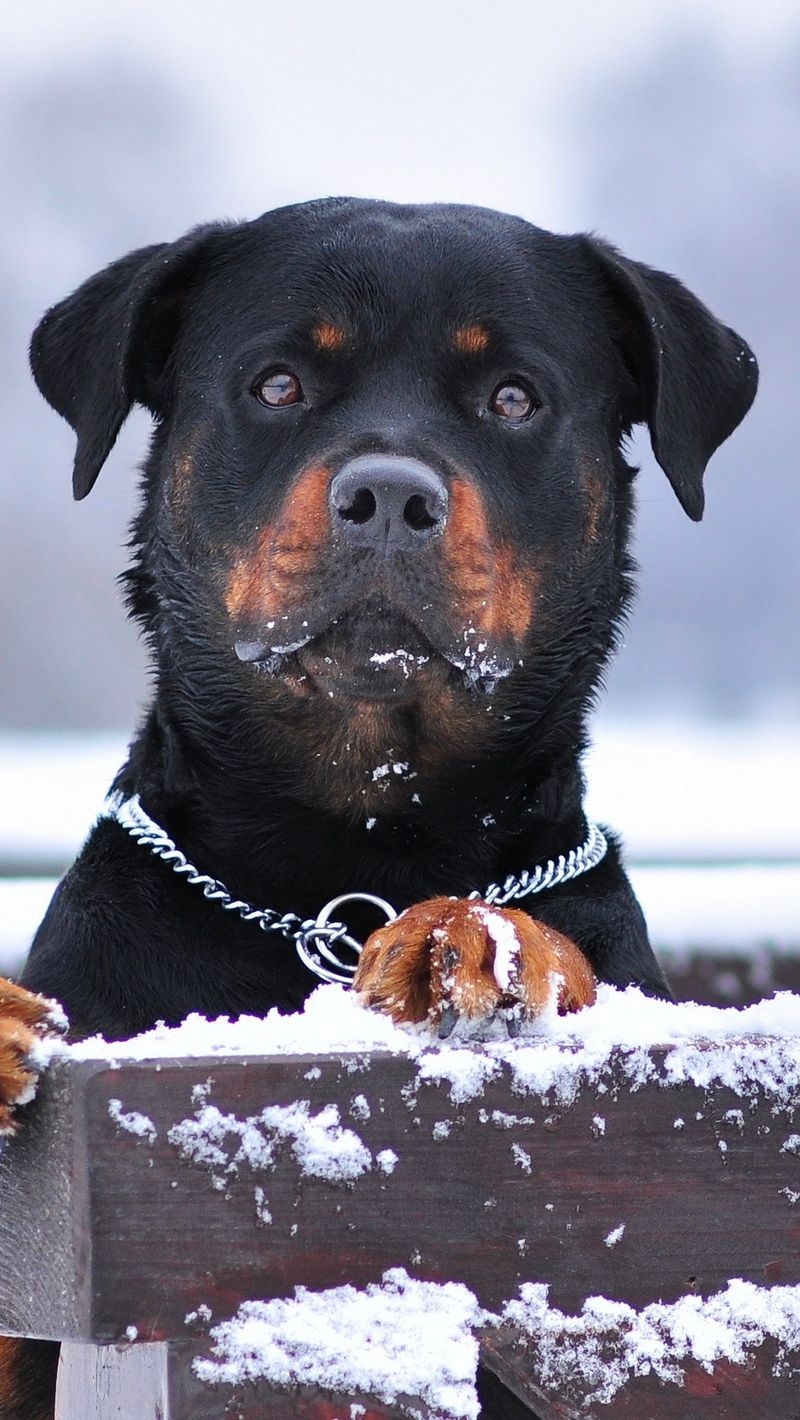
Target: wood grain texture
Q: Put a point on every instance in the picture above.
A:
(98, 1382)
(104, 1229)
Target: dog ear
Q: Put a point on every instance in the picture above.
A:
(695, 378)
(106, 346)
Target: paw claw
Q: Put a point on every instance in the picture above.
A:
(514, 1018)
(448, 1021)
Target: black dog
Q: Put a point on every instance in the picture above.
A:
(381, 563)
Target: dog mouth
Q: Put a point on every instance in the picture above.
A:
(375, 654)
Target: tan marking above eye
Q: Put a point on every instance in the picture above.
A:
(471, 339)
(327, 336)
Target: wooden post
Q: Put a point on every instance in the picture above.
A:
(113, 1382)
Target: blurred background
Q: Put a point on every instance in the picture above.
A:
(671, 128)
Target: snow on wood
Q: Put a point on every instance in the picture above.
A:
(558, 1056)
(395, 1338)
(320, 1145)
(639, 1159)
(595, 1353)
(404, 1338)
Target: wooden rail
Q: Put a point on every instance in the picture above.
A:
(128, 1248)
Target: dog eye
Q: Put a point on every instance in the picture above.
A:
(279, 388)
(512, 402)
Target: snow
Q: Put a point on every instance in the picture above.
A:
(609, 1342)
(674, 789)
(406, 660)
(724, 908)
(398, 766)
(704, 793)
(395, 1338)
(503, 935)
(402, 1338)
(320, 1145)
(133, 1122)
(701, 790)
(331, 1022)
(52, 788)
(521, 1158)
(201, 1313)
(752, 1050)
(204, 1140)
(23, 903)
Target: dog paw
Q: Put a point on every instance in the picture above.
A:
(453, 959)
(25, 1020)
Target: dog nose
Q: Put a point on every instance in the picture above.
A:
(387, 502)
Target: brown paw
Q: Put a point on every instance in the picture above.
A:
(25, 1020)
(450, 958)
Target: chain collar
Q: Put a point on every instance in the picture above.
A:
(318, 939)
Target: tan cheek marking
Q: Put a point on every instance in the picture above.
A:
(182, 481)
(327, 336)
(468, 549)
(471, 339)
(264, 582)
(595, 506)
(512, 606)
(183, 473)
(490, 590)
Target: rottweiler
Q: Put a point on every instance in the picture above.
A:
(381, 563)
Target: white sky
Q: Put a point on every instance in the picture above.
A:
(412, 101)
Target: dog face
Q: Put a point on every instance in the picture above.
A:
(386, 499)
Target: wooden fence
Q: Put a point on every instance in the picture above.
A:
(121, 1241)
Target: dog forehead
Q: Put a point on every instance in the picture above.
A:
(353, 259)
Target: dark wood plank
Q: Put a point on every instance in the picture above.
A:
(729, 1391)
(105, 1230)
(504, 1397)
(164, 1240)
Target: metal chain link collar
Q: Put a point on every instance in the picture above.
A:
(317, 938)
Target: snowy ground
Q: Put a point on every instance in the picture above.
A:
(708, 814)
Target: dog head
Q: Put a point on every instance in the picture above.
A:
(386, 498)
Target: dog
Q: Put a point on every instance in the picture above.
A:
(381, 564)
